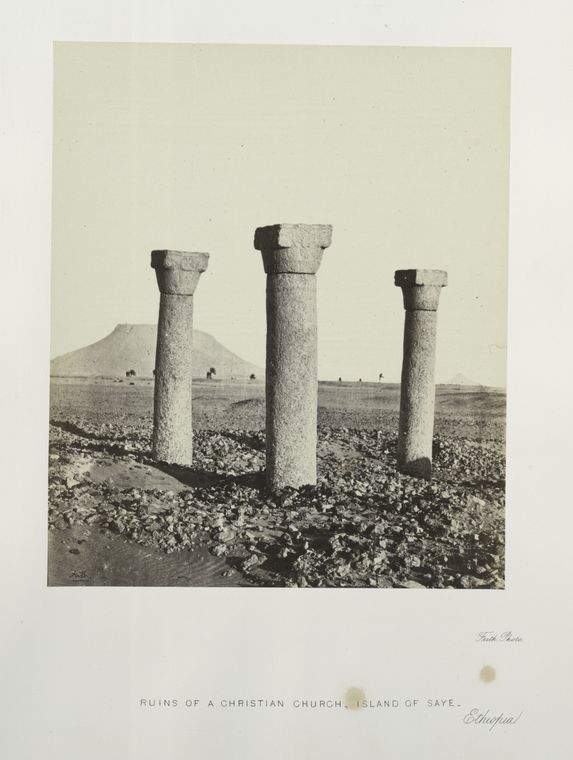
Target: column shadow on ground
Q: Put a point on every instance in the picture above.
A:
(90, 441)
(207, 479)
(187, 476)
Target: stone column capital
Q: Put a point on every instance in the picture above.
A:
(292, 248)
(178, 272)
(421, 287)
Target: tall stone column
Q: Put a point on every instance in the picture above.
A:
(421, 290)
(177, 274)
(291, 257)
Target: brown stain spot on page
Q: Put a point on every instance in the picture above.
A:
(353, 697)
(487, 674)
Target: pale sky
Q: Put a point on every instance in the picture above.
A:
(405, 151)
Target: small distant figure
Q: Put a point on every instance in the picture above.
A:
(130, 373)
(253, 376)
(339, 379)
(359, 379)
(380, 377)
(211, 372)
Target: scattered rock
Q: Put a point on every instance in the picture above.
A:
(363, 525)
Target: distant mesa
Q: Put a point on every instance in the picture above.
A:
(132, 347)
(460, 379)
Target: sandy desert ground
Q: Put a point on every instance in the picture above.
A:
(118, 518)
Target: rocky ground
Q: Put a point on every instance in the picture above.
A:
(363, 525)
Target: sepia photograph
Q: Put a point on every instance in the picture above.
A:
(285, 392)
(279, 316)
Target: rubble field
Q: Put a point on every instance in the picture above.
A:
(363, 525)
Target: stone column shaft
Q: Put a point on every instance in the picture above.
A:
(291, 379)
(291, 257)
(421, 290)
(177, 275)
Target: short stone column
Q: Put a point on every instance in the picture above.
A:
(291, 256)
(177, 274)
(421, 289)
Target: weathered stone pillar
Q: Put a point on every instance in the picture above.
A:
(177, 274)
(291, 256)
(421, 289)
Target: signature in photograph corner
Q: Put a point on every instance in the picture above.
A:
(78, 575)
(505, 637)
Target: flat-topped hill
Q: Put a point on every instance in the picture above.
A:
(133, 347)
